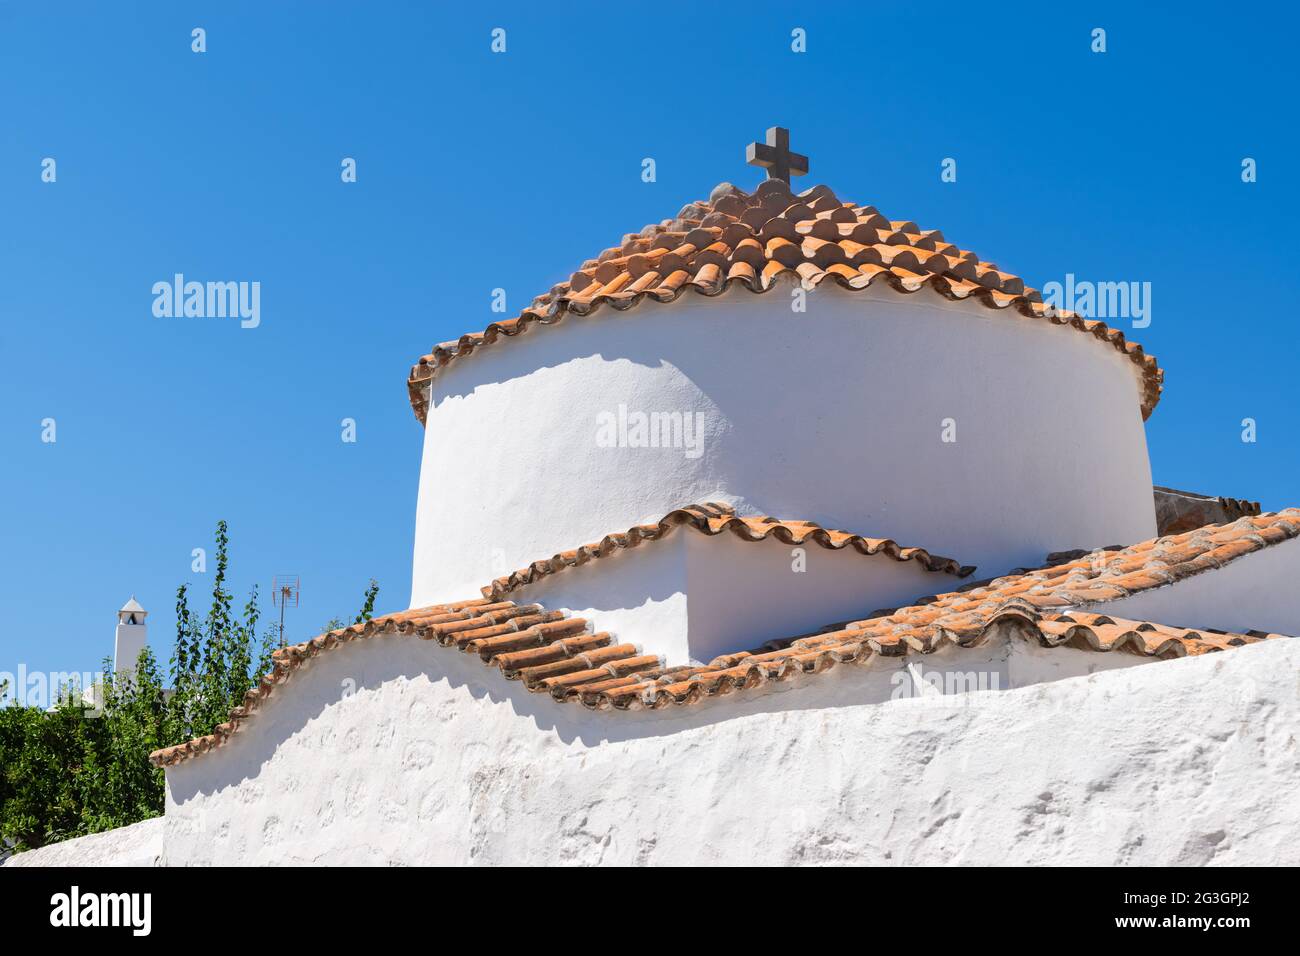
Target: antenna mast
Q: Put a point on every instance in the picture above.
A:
(286, 589)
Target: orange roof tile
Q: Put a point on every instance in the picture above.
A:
(550, 652)
(1178, 511)
(714, 518)
(750, 239)
(1079, 578)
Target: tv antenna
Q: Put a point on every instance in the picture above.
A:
(286, 590)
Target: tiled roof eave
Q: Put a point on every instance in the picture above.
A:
(1148, 371)
(716, 518)
(627, 681)
(756, 240)
(549, 652)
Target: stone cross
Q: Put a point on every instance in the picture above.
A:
(776, 156)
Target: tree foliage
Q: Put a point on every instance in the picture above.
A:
(82, 766)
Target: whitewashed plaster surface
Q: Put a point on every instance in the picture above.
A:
(743, 593)
(1259, 591)
(834, 415)
(638, 596)
(691, 597)
(139, 844)
(433, 758)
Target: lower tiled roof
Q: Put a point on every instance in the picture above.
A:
(550, 652)
(815, 654)
(1079, 578)
(714, 518)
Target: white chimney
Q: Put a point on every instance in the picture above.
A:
(131, 637)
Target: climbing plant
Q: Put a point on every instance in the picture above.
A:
(82, 766)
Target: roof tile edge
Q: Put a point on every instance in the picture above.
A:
(715, 518)
(602, 676)
(687, 251)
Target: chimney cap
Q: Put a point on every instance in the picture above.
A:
(133, 607)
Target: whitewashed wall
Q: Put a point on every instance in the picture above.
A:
(745, 592)
(638, 596)
(832, 415)
(430, 760)
(691, 597)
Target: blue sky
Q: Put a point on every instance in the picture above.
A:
(479, 170)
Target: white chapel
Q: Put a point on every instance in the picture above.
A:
(783, 531)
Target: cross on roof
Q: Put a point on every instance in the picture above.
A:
(776, 156)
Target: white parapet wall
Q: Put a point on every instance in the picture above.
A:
(394, 750)
(837, 415)
(138, 844)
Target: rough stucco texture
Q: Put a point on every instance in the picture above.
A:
(394, 751)
(140, 844)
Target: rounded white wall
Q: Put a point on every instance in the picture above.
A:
(834, 415)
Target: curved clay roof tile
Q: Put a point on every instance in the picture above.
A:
(750, 239)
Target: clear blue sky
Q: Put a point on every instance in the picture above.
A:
(479, 170)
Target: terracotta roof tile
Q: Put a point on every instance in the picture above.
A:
(751, 239)
(549, 652)
(714, 518)
(1184, 510)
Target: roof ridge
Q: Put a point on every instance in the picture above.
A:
(754, 240)
(714, 518)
